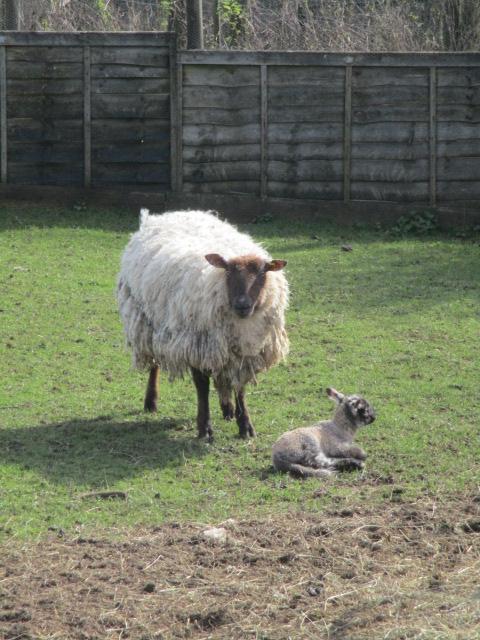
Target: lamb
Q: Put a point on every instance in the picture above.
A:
(196, 295)
(326, 447)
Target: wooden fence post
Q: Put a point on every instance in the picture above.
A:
(432, 133)
(87, 117)
(347, 134)
(3, 115)
(263, 130)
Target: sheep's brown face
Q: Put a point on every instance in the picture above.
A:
(246, 277)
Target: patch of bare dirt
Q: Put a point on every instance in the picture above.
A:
(398, 571)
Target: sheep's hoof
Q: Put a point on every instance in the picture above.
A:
(228, 410)
(150, 406)
(205, 433)
(247, 431)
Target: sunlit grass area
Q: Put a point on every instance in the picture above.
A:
(396, 319)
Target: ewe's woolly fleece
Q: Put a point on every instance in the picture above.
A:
(174, 304)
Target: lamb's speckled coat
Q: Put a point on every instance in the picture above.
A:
(174, 304)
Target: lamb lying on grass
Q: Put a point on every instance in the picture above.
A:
(326, 447)
(196, 295)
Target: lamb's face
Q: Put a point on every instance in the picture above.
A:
(245, 279)
(356, 408)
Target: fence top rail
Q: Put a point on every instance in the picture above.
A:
(92, 38)
(317, 58)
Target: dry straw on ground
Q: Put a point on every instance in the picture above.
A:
(398, 570)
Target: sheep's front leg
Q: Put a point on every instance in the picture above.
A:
(241, 414)
(225, 398)
(202, 384)
(151, 395)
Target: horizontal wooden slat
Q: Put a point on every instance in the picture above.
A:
(45, 173)
(403, 192)
(304, 132)
(132, 153)
(302, 58)
(218, 171)
(210, 135)
(454, 131)
(403, 112)
(32, 130)
(293, 152)
(458, 168)
(315, 170)
(43, 152)
(304, 96)
(130, 106)
(252, 187)
(222, 97)
(131, 130)
(132, 173)
(458, 190)
(219, 116)
(46, 86)
(45, 70)
(44, 54)
(406, 132)
(138, 56)
(331, 78)
(390, 170)
(130, 71)
(315, 190)
(131, 85)
(220, 76)
(219, 153)
(317, 112)
(45, 106)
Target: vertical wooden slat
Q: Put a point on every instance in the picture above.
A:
(347, 134)
(173, 114)
(179, 125)
(433, 135)
(263, 131)
(87, 117)
(3, 115)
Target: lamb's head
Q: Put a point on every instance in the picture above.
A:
(245, 280)
(354, 408)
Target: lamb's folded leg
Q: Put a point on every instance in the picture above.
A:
(300, 471)
(348, 464)
(202, 384)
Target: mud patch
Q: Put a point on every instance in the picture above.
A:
(406, 570)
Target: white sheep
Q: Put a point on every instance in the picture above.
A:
(196, 294)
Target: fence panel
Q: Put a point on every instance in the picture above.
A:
(86, 109)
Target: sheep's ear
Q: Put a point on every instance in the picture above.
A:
(275, 265)
(216, 260)
(334, 395)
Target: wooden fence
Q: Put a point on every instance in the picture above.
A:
(127, 109)
(86, 109)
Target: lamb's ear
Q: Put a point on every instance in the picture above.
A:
(334, 395)
(216, 260)
(275, 265)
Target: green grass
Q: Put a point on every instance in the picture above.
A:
(395, 319)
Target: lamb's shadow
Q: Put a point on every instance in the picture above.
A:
(99, 452)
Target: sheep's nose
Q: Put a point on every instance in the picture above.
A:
(242, 306)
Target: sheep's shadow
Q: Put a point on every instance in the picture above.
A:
(99, 452)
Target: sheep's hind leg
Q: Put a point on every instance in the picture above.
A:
(151, 395)
(241, 414)
(202, 384)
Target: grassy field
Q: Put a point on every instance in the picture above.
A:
(397, 320)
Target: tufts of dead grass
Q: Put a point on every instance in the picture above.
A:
(404, 570)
